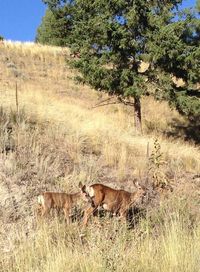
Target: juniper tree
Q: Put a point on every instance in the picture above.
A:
(198, 5)
(115, 37)
(54, 29)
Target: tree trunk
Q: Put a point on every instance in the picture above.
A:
(137, 115)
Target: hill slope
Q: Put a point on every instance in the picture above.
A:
(47, 90)
(53, 138)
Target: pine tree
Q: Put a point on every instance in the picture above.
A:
(198, 5)
(126, 47)
(54, 29)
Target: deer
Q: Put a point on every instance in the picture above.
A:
(118, 202)
(58, 200)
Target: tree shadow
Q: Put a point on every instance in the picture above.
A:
(134, 216)
(190, 131)
(78, 214)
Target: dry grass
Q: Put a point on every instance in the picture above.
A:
(57, 140)
(108, 246)
(110, 133)
(30, 48)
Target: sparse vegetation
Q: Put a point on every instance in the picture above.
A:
(156, 167)
(56, 140)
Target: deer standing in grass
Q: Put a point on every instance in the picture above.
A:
(55, 200)
(115, 201)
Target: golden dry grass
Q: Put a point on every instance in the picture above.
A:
(106, 247)
(109, 131)
(60, 140)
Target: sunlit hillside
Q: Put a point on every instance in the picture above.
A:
(53, 135)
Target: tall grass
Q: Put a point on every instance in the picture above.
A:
(104, 133)
(57, 140)
(107, 246)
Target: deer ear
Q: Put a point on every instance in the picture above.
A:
(138, 185)
(82, 187)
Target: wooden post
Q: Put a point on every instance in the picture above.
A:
(147, 151)
(17, 115)
(147, 166)
(16, 99)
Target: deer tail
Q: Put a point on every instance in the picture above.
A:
(41, 199)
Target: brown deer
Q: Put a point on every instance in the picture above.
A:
(115, 201)
(56, 200)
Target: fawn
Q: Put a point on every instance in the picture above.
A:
(56, 200)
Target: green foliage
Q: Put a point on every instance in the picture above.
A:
(53, 29)
(1, 38)
(198, 5)
(190, 106)
(156, 164)
(175, 51)
(114, 36)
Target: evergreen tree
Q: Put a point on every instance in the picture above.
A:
(54, 29)
(115, 38)
(175, 53)
(198, 5)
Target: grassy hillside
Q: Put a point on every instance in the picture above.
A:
(54, 138)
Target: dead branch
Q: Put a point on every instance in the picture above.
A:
(119, 100)
(102, 105)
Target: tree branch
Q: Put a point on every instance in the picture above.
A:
(102, 101)
(112, 103)
(119, 100)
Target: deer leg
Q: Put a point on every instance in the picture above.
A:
(45, 210)
(123, 214)
(87, 213)
(38, 210)
(66, 213)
